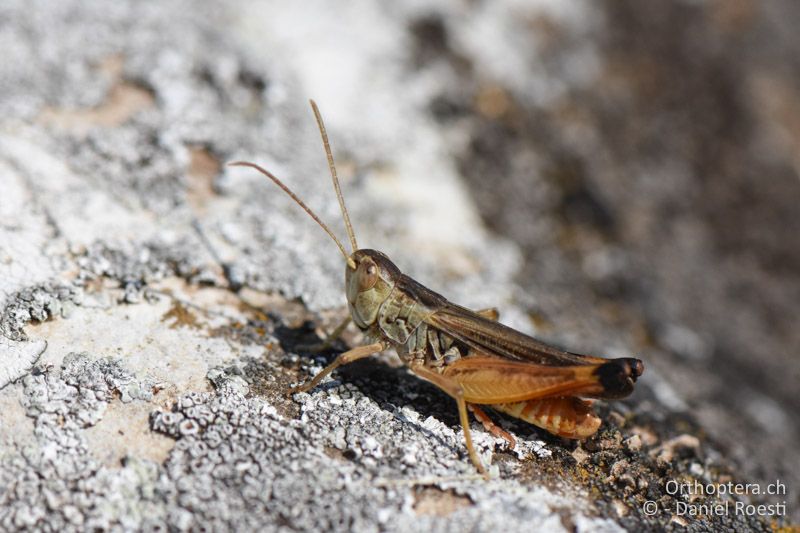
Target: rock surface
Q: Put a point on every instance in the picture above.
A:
(615, 180)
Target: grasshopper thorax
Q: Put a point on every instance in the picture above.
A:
(369, 281)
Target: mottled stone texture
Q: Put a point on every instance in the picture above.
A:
(616, 178)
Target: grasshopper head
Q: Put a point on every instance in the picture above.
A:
(368, 285)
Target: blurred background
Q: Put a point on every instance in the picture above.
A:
(644, 156)
(622, 176)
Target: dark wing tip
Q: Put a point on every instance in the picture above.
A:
(638, 367)
(618, 376)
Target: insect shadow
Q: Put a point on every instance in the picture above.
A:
(391, 387)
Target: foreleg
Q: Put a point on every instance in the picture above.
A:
(349, 356)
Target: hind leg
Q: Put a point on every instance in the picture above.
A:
(455, 391)
(491, 427)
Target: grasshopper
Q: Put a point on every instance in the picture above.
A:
(467, 354)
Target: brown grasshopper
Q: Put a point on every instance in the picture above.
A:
(468, 354)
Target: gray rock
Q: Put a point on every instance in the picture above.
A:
(154, 303)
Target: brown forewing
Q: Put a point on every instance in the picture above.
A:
(492, 338)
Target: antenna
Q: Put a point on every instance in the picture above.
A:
(351, 263)
(327, 145)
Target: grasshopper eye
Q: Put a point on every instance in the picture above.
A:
(368, 276)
